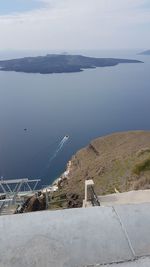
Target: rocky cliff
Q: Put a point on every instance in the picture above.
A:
(120, 161)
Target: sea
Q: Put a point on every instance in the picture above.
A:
(37, 112)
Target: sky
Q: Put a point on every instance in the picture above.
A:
(74, 24)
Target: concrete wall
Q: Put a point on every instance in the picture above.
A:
(76, 237)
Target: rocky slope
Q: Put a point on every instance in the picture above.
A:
(120, 161)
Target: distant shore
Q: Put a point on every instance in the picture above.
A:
(55, 63)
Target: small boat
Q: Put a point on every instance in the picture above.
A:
(67, 136)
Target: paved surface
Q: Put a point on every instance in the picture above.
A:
(134, 197)
(136, 220)
(77, 237)
(142, 262)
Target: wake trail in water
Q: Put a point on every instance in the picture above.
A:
(58, 149)
(54, 155)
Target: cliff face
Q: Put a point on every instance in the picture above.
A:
(119, 161)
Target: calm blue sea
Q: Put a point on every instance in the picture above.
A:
(82, 105)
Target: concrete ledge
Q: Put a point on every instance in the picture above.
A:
(75, 238)
(131, 197)
(142, 262)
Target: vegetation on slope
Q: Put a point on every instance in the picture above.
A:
(142, 166)
(119, 161)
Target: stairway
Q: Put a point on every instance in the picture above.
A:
(6, 209)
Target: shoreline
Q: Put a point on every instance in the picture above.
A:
(58, 181)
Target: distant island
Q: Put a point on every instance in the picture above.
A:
(147, 52)
(54, 63)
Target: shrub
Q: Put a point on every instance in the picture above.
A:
(142, 166)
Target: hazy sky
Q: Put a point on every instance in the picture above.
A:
(74, 24)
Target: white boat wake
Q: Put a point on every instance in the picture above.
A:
(58, 149)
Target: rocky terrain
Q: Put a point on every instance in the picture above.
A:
(55, 200)
(120, 161)
(59, 63)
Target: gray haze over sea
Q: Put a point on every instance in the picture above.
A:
(83, 105)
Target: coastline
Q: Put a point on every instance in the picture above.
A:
(58, 182)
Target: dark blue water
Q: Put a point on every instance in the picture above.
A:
(82, 105)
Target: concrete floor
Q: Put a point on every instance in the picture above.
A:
(131, 197)
(142, 262)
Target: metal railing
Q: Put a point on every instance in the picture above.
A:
(94, 198)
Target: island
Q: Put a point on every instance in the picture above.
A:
(147, 52)
(59, 63)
